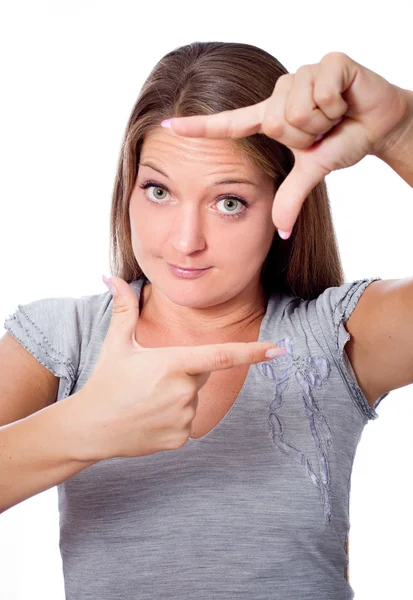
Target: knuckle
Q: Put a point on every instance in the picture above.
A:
(224, 120)
(324, 96)
(273, 126)
(335, 57)
(119, 309)
(223, 360)
(296, 114)
(230, 129)
(285, 79)
(190, 413)
(192, 389)
(303, 68)
(187, 392)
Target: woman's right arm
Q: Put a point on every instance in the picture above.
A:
(41, 451)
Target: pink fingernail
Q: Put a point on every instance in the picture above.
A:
(109, 285)
(284, 234)
(166, 123)
(319, 137)
(274, 352)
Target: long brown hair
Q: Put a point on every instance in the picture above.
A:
(208, 77)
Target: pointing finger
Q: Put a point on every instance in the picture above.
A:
(237, 123)
(214, 357)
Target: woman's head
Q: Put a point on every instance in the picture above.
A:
(205, 78)
(186, 216)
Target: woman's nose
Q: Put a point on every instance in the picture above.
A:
(188, 231)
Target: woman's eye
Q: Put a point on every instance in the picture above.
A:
(230, 202)
(157, 187)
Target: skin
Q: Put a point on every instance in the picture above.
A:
(355, 111)
(187, 226)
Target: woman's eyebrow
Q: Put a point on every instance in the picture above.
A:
(223, 181)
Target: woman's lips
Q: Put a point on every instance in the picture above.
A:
(186, 273)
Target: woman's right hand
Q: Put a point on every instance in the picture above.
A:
(139, 401)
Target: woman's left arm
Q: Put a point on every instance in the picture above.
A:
(332, 114)
(398, 152)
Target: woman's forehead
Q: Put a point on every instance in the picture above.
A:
(162, 146)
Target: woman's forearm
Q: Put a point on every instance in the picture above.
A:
(40, 451)
(399, 155)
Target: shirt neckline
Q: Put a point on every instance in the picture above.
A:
(227, 416)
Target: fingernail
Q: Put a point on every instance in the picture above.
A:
(166, 123)
(109, 285)
(338, 121)
(319, 137)
(284, 234)
(273, 352)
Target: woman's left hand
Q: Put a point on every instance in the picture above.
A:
(371, 114)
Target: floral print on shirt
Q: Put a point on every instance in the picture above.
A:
(310, 372)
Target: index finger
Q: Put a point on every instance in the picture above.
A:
(214, 357)
(237, 123)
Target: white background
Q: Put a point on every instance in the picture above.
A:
(70, 74)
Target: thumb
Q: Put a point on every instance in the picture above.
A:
(295, 188)
(125, 310)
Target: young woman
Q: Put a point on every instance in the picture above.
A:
(188, 463)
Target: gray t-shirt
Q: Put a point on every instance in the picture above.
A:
(256, 509)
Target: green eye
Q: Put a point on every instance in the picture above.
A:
(230, 200)
(157, 187)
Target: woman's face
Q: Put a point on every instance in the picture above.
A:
(187, 218)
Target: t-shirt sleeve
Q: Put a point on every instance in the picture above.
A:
(333, 307)
(51, 330)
